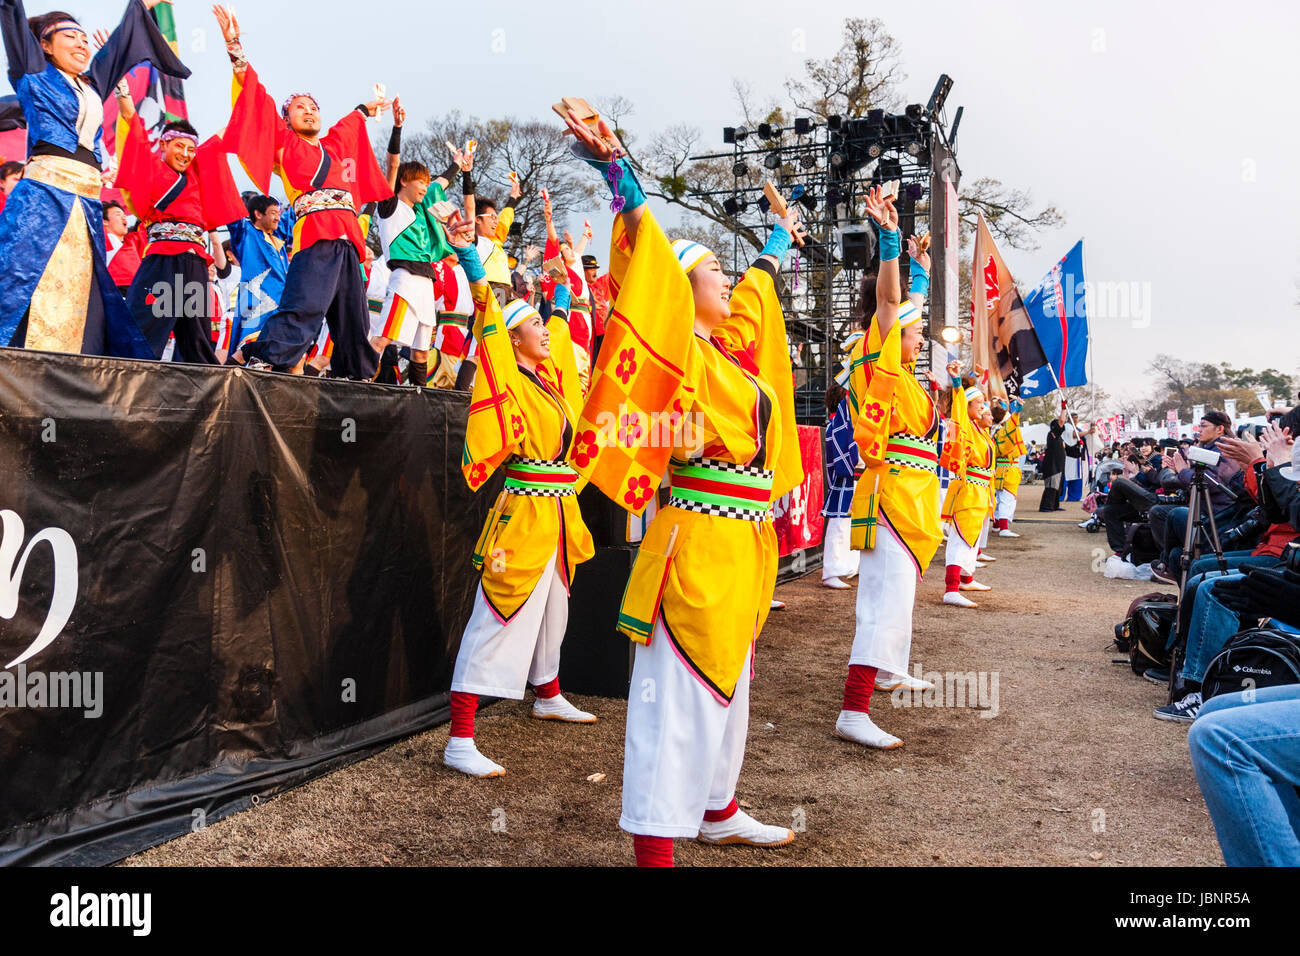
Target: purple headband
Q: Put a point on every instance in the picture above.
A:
(170, 135)
(62, 25)
(284, 109)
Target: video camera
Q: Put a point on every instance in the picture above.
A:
(1202, 458)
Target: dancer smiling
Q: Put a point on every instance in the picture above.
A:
(681, 340)
(521, 418)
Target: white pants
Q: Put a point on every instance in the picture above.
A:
(984, 536)
(499, 660)
(1006, 507)
(683, 750)
(409, 322)
(959, 552)
(838, 559)
(886, 593)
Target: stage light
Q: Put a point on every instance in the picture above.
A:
(952, 133)
(763, 204)
(834, 122)
(802, 126)
(740, 169)
(807, 160)
(913, 112)
(914, 148)
(730, 207)
(875, 117)
(809, 201)
(874, 150)
(939, 95)
(772, 160)
(915, 191)
(834, 197)
(741, 133)
(837, 159)
(765, 130)
(728, 134)
(950, 334)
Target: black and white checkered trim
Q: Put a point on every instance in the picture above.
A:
(566, 492)
(721, 511)
(714, 465)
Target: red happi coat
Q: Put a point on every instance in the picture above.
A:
(205, 194)
(342, 160)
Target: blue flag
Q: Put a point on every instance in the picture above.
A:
(1058, 309)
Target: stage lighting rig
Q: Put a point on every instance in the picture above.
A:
(802, 126)
(939, 96)
(740, 169)
(772, 160)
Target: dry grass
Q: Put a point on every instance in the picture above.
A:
(1074, 739)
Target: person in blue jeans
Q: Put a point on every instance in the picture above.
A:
(1245, 751)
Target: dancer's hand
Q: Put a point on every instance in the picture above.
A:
(375, 107)
(918, 250)
(459, 232)
(225, 19)
(602, 146)
(791, 224)
(881, 208)
(399, 113)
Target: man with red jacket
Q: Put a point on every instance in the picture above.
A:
(328, 179)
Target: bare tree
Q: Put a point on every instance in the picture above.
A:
(1009, 213)
(864, 74)
(536, 151)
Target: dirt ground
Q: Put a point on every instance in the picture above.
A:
(1072, 770)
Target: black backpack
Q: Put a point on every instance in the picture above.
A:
(1146, 633)
(1261, 655)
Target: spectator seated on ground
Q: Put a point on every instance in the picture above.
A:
(1220, 599)
(1243, 745)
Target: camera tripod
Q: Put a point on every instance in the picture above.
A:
(1200, 524)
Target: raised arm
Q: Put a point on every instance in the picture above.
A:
(394, 159)
(919, 278)
(889, 290)
(22, 49)
(629, 198)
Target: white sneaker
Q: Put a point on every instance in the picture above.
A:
(838, 584)
(1007, 534)
(974, 586)
(741, 828)
(980, 565)
(958, 600)
(986, 558)
(857, 727)
(778, 605)
(852, 574)
(462, 755)
(557, 708)
(902, 680)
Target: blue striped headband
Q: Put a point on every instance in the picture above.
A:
(973, 393)
(517, 312)
(690, 254)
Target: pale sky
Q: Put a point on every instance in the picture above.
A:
(1162, 132)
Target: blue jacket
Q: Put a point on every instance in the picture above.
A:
(47, 98)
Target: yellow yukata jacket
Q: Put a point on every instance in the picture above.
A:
(519, 420)
(1008, 446)
(970, 495)
(708, 577)
(896, 428)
